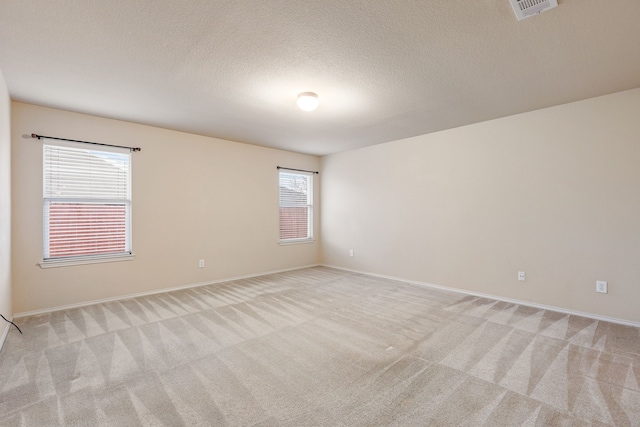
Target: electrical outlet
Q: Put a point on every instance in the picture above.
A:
(521, 276)
(201, 263)
(602, 287)
(350, 252)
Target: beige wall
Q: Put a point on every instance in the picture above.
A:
(193, 197)
(554, 192)
(5, 207)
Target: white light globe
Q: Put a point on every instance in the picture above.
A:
(307, 101)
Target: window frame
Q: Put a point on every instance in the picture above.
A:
(126, 202)
(309, 206)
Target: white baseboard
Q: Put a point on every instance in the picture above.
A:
(382, 276)
(495, 297)
(5, 333)
(154, 292)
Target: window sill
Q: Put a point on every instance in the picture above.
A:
(295, 242)
(83, 261)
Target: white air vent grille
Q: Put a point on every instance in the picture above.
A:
(527, 8)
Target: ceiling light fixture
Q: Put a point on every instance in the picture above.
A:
(307, 101)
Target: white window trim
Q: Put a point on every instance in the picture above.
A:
(311, 238)
(94, 259)
(295, 241)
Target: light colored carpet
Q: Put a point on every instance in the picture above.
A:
(318, 347)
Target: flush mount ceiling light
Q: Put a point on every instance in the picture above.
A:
(307, 101)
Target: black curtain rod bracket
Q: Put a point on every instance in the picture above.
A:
(297, 170)
(34, 135)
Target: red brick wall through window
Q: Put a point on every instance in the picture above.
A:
(77, 229)
(294, 223)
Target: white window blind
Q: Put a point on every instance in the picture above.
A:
(87, 202)
(296, 206)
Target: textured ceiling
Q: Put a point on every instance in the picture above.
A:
(383, 69)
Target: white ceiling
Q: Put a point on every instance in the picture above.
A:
(383, 69)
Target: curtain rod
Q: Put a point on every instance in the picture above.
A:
(33, 135)
(297, 170)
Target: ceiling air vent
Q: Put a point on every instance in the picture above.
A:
(527, 8)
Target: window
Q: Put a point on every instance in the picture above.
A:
(296, 207)
(86, 203)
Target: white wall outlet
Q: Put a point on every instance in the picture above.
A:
(521, 276)
(350, 252)
(201, 263)
(602, 287)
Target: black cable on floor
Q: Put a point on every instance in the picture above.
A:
(12, 323)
